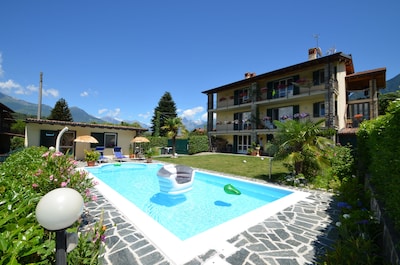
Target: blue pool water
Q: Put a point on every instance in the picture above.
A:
(186, 215)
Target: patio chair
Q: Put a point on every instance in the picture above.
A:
(118, 156)
(102, 158)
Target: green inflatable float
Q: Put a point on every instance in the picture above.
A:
(228, 188)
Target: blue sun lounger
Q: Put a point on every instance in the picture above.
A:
(102, 158)
(118, 156)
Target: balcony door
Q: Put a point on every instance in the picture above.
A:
(243, 142)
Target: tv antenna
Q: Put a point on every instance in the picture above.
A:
(316, 37)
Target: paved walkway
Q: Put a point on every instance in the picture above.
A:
(296, 235)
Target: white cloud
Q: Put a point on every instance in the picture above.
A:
(204, 117)
(1, 65)
(101, 111)
(50, 92)
(109, 113)
(32, 88)
(8, 86)
(84, 94)
(144, 115)
(191, 113)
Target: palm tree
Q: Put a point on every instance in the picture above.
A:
(303, 145)
(173, 126)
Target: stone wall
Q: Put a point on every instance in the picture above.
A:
(389, 235)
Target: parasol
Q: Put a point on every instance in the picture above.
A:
(86, 139)
(140, 139)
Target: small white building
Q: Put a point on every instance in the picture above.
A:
(39, 132)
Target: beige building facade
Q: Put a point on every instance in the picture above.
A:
(323, 87)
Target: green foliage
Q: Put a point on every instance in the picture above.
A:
(17, 143)
(378, 144)
(342, 162)
(18, 127)
(198, 144)
(172, 126)
(91, 155)
(385, 100)
(157, 141)
(357, 229)
(150, 152)
(303, 146)
(24, 178)
(166, 109)
(61, 112)
(86, 253)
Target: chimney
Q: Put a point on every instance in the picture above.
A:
(249, 75)
(314, 53)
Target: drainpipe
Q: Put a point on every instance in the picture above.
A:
(59, 138)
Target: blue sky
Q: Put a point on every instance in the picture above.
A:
(118, 58)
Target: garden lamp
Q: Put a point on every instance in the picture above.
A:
(56, 211)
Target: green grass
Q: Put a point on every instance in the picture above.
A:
(254, 167)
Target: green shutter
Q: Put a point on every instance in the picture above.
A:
(316, 110)
(296, 89)
(236, 97)
(235, 124)
(269, 90)
(296, 109)
(315, 75)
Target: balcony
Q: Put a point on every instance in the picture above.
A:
(264, 96)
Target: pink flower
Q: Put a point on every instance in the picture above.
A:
(34, 185)
(51, 177)
(55, 154)
(64, 184)
(94, 198)
(45, 154)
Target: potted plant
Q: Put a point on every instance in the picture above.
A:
(149, 153)
(91, 157)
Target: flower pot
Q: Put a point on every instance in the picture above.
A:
(91, 163)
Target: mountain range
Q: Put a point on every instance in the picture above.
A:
(79, 115)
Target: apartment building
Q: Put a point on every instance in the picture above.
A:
(242, 113)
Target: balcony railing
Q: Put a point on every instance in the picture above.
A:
(263, 94)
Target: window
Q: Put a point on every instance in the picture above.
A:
(319, 77)
(282, 88)
(242, 96)
(242, 121)
(319, 109)
(108, 140)
(282, 114)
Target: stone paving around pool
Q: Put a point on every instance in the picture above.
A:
(296, 235)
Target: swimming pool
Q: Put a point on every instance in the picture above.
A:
(198, 218)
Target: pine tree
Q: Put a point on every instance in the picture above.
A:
(61, 112)
(166, 109)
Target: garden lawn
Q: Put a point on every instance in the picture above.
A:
(247, 166)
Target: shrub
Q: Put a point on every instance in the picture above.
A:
(198, 143)
(24, 178)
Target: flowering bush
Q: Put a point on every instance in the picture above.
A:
(57, 171)
(24, 178)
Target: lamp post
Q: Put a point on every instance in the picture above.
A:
(56, 211)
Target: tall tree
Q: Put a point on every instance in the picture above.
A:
(172, 126)
(166, 109)
(303, 145)
(61, 112)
